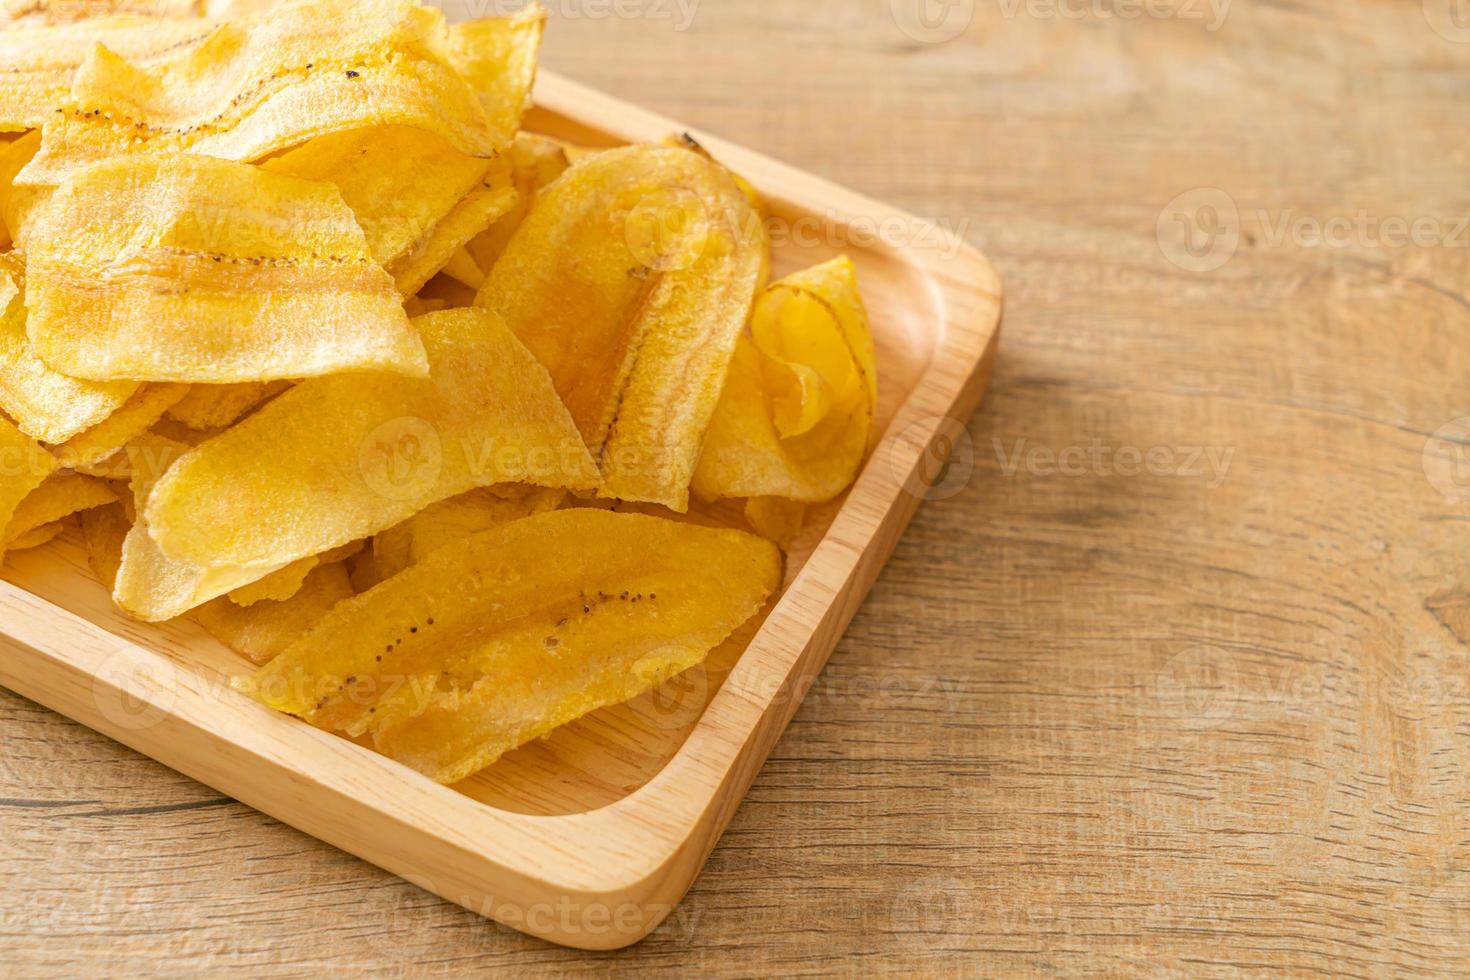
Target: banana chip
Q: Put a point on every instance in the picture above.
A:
(264, 629)
(208, 407)
(399, 182)
(182, 268)
(776, 519)
(282, 585)
(60, 496)
(39, 62)
(154, 587)
(797, 411)
(497, 56)
(630, 280)
(71, 11)
(45, 404)
(469, 217)
(93, 447)
(267, 82)
(103, 530)
(535, 161)
(17, 203)
(335, 460)
(463, 268)
(24, 465)
(36, 537)
(445, 523)
(505, 635)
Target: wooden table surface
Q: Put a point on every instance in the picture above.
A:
(1172, 675)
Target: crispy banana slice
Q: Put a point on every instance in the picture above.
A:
(39, 62)
(796, 414)
(184, 268)
(497, 56)
(152, 586)
(400, 182)
(282, 585)
(35, 537)
(479, 209)
(445, 523)
(208, 407)
(535, 162)
(32, 12)
(60, 496)
(335, 460)
(24, 465)
(630, 280)
(776, 519)
(103, 530)
(267, 82)
(19, 202)
(91, 448)
(506, 635)
(45, 404)
(264, 629)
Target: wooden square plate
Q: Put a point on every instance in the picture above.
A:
(589, 837)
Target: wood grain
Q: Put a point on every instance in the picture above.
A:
(1092, 719)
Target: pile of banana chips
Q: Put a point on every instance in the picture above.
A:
(424, 415)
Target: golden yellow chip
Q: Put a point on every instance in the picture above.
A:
(16, 203)
(470, 217)
(264, 629)
(38, 63)
(32, 12)
(59, 496)
(444, 293)
(497, 56)
(35, 537)
(105, 439)
(775, 518)
(535, 161)
(208, 407)
(267, 82)
(500, 638)
(445, 523)
(400, 182)
(463, 268)
(184, 268)
(335, 460)
(24, 465)
(45, 404)
(283, 584)
(104, 529)
(797, 410)
(152, 586)
(143, 452)
(630, 280)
